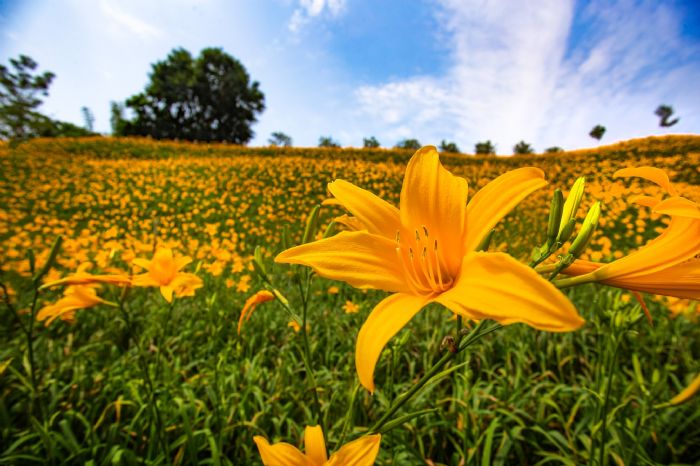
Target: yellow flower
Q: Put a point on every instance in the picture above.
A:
(163, 271)
(426, 251)
(251, 303)
(360, 452)
(667, 265)
(350, 307)
(74, 298)
(333, 290)
(82, 277)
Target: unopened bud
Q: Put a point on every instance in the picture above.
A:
(311, 225)
(485, 241)
(330, 229)
(566, 232)
(259, 265)
(571, 206)
(590, 223)
(555, 212)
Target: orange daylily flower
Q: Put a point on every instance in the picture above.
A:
(667, 265)
(163, 271)
(74, 298)
(360, 452)
(251, 303)
(82, 277)
(426, 252)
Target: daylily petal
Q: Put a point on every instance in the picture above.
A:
(180, 262)
(646, 201)
(432, 196)
(280, 454)
(359, 258)
(144, 279)
(653, 174)
(495, 200)
(314, 445)
(681, 281)
(167, 293)
(143, 263)
(679, 242)
(385, 320)
(678, 206)
(377, 215)
(582, 267)
(496, 286)
(360, 452)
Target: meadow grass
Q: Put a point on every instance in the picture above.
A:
(175, 384)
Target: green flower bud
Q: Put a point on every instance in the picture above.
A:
(555, 212)
(571, 206)
(590, 223)
(311, 225)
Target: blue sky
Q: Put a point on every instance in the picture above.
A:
(544, 71)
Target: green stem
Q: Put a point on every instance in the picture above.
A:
(606, 399)
(474, 336)
(306, 355)
(573, 281)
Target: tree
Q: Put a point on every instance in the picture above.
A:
(523, 148)
(20, 89)
(664, 112)
(597, 132)
(278, 138)
(327, 141)
(553, 150)
(116, 118)
(210, 98)
(89, 118)
(448, 147)
(485, 148)
(408, 144)
(370, 142)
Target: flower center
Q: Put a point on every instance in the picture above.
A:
(422, 264)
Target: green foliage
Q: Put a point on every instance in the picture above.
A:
(523, 148)
(412, 144)
(485, 148)
(327, 141)
(370, 143)
(210, 98)
(279, 139)
(89, 119)
(20, 91)
(664, 112)
(597, 132)
(450, 147)
(553, 150)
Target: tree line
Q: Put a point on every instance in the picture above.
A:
(208, 98)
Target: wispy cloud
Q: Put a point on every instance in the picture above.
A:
(512, 76)
(309, 9)
(128, 22)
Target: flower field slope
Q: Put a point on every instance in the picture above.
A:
(159, 369)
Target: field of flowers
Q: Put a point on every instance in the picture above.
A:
(178, 375)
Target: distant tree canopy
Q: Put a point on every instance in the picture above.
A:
(279, 139)
(327, 141)
(485, 148)
(408, 144)
(523, 148)
(20, 91)
(448, 147)
(597, 132)
(553, 150)
(370, 142)
(664, 112)
(210, 98)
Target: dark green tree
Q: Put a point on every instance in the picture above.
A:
(485, 148)
(448, 147)
(89, 119)
(523, 148)
(370, 142)
(597, 132)
(327, 141)
(20, 91)
(553, 150)
(664, 112)
(412, 144)
(116, 118)
(210, 98)
(280, 139)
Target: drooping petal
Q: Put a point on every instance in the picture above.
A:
(314, 445)
(144, 279)
(680, 280)
(182, 261)
(359, 258)
(433, 197)
(167, 293)
(496, 286)
(385, 320)
(377, 215)
(495, 200)
(678, 206)
(679, 242)
(653, 174)
(360, 452)
(280, 454)
(141, 262)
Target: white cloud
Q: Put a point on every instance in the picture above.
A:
(310, 9)
(511, 76)
(128, 22)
